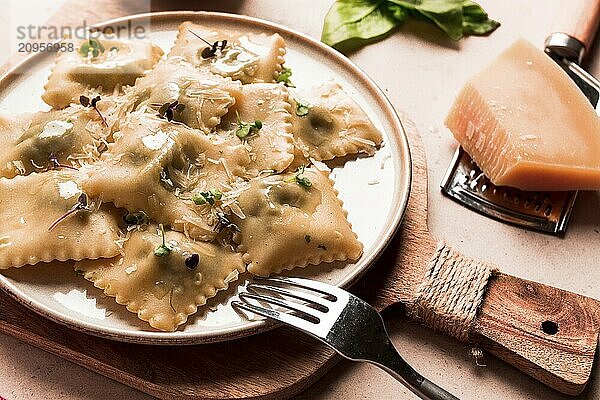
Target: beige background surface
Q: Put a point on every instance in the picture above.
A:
(420, 71)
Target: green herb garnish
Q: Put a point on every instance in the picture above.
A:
(307, 238)
(284, 77)
(350, 24)
(299, 179)
(56, 164)
(81, 205)
(163, 249)
(168, 110)
(301, 108)
(209, 197)
(245, 128)
(138, 218)
(87, 102)
(93, 46)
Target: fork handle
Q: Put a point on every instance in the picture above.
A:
(392, 362)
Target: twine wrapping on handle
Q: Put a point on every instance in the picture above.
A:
(451, 292)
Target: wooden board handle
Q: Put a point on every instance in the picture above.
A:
(549, 333)
(579, 19)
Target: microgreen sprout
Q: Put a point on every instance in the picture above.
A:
(192, 261)
(138, 218)
(210, 197)
(87, 102)
(56, 164)
(284, 77)
(211, 51)
(93, 46)
(299, 179)
(165, 178)
(224, 223)
(301, 108)
(81, 205)
(162, 250)
(171, 299)
(168, 110)
(245, 128)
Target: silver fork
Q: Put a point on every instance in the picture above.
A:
(339, 319)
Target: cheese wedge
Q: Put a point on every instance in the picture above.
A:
(527, 125)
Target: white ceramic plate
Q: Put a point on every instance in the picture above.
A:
(374, 191)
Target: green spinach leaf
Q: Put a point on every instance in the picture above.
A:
(476, 21)
(353, 23)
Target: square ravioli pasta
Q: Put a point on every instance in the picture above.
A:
(32, 230)
(98, 66)
(43, 140)
(292, 220)
(247, 57)
(203, 98)
(161, 168)
(328, 123)
(164, 288)
(261, 119)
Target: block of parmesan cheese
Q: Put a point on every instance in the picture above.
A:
(527, 125)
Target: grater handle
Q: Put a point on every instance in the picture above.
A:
(549, 333)
(579, 19)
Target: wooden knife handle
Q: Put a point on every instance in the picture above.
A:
(579, 19)
(549, 333)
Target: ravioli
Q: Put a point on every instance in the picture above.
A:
(249, 58)
(71, 137)
(30, 205)
(79, 72)
(188, 170)
(205, 97)
(164, 290)
(333, 125)
(271, 147)
(289, 225)
(156, 166)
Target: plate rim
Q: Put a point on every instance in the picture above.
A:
(252, 327)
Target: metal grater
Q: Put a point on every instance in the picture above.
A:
(543, 211)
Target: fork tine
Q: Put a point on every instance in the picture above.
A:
(286, 318)
(310, 284)
(296, 307)
(262, 311)
(307, 297)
